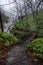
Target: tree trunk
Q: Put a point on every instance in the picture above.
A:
(1, 23)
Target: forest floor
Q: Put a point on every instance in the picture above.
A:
(18, 55)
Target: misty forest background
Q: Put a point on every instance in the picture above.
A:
(28, 12)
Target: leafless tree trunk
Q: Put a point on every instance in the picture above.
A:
(1, 22)
(34, 11)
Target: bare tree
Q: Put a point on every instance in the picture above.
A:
(1, 22)
(34, 7)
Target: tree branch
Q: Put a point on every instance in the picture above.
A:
(39, 3)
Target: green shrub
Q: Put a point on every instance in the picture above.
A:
(39, 23)
(7, 43)
(0, 52)
(29, 23)
(1, 40)
(37, 47)
(7, 39)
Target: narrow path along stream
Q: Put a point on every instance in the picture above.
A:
(18, 56)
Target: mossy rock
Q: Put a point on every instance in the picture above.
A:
(37, 47)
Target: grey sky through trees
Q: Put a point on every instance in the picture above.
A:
(11, 9)
(5, 5)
